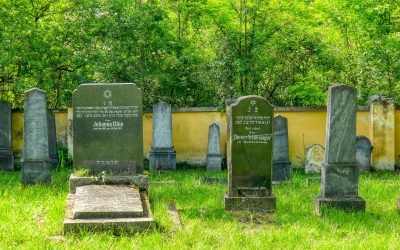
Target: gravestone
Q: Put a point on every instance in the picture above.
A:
(36, 166)
(53, 154)
(249, 152)
(281, 165)
(214, 158)
(108, 128)
(339, 176)
(6, 153)
(314, 158)
(162, 154)
(108, 137)
(363, 155)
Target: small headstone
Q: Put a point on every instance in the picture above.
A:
(281, 163)
(108, 128)
(214, 158)
(36, 162)
(53, 154)
(249, 151)
(162, 154)
(6, 153)
(314, 158)
(339, 177)
(363, 155)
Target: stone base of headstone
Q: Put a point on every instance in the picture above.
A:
(214, 162)
(36, 172)
(6, 159)
(124, 205)
(54, 161)
(345, 204)
(281, 170)
(265, 204)
(162, 159)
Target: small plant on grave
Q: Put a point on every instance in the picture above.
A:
(65, 159)
(82, 172)
(103, 176)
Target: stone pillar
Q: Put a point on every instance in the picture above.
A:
(70, 131)
(6, 153)
(214, 158)
(53, 153)
(281, 165)
(382, 129)
(162, 153)
(36, 162)
(314, 158)
(363, 155)
(339, 177)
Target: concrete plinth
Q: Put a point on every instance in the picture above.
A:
(6, 159)
(265, 204)
(36, 171)
(163, 159)
(346, 204)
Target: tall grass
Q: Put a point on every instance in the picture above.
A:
(31, 217)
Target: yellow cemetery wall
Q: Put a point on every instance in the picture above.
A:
(397, 136)
(190, 130)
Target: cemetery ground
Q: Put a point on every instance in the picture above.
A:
(32, 216)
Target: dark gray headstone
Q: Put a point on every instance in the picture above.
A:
(363, 155)
(36, 162)
(53, 154)
(162, 154)
(108, 128)
(281, 164)
(339, 177)
(6, 153)
(249, 152)
(214, 158)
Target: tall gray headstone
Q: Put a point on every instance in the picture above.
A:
(162, 154)
(108, 128)
(339, 177)
(314, 158)
(281, 165)
(214, 158)
(6, 153)
(36, 162)
(53, 154)
(363, 155)
(249, 152)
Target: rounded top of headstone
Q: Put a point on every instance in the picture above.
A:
(280, 117)
(83, 85)
(363, 139)
(242, 98)
(34, 90)
(161, 104)
(341, 87)
(380, 98)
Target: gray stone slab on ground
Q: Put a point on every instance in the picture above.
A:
(162, 155)
(6, 153)
(249, 152)
(105, 201)
(108, 128)
(281, 165)
(214, 158)
(363, 155)
(36, 162)
(314, 158)
(339, 176)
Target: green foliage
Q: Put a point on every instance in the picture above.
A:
(200, 52)
(82, 172)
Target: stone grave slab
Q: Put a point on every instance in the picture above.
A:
(104, 201)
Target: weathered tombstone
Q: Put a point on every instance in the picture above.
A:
(281, 165)
(339, 177)
(53, 154)
(36, 162)
(108, 128)
(214, 158)
(162, 154)
(108, 139)
(363, 155)
(6, 153)
(249, 152)
(314, 158)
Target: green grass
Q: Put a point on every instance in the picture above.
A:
(32, 217)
